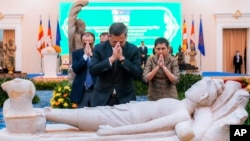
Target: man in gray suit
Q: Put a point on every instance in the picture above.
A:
(116, 63)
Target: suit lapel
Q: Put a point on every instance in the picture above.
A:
(124, 50)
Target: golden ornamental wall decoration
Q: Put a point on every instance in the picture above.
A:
(1, 16)
(237, 14)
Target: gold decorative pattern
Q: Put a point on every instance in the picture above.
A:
(1, 16)
(237, 14)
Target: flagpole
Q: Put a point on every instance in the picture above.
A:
(41, 65)
(58, 38)
(201, 45)
(41, 44)
(200, 64)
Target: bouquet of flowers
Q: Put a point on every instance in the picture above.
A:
(60, 98)
(57, 48)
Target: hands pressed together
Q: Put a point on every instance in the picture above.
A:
(88, 50)
(161, 61)
(117, 53)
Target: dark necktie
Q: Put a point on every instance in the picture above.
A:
(88, 81)
(115, 67)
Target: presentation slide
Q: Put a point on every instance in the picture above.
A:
(145, 21)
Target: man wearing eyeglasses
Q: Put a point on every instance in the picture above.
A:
(83, 83)
(116, 63)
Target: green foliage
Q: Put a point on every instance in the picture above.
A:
(3, 94)
(186, 81)
(247, 122)
(181, 95)
(244, 81)
(36, 99)
(141, 88)
(45, 85)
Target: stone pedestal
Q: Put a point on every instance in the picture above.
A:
(49, 62)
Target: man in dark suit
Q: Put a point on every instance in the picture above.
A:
(83, 83)
(143, 51)
(237, 62)
(116, 63)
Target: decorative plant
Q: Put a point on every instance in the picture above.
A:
(60, 98)
(141, 88)
(57, 49)
(3, 94)
(46, 85)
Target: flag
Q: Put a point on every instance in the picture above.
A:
(40, 43)
(192, 38)
(49, 35)
(184, 37)
(58, 34)
(201, 46)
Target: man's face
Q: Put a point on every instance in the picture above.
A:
(104, 38)
(161, 49)
(115, 39)
(87, 39)
(142, 43)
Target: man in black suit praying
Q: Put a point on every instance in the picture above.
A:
(115, 63)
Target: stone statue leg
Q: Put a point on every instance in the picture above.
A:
(84, 119)
(184, 131)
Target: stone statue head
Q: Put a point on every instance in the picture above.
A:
(80, 25)
(192, 47)
(10, 42)
(205, 91)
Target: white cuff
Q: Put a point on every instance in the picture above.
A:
(85, 57)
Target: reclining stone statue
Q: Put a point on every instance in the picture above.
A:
(151, 116)
(205, 114)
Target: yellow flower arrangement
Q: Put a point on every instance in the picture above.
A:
(60, 98)
(57, 48)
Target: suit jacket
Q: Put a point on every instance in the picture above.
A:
(235, 60)
(79, 66)
(119, 78)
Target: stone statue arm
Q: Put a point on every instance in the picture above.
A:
(75, 9)
(160, 124)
